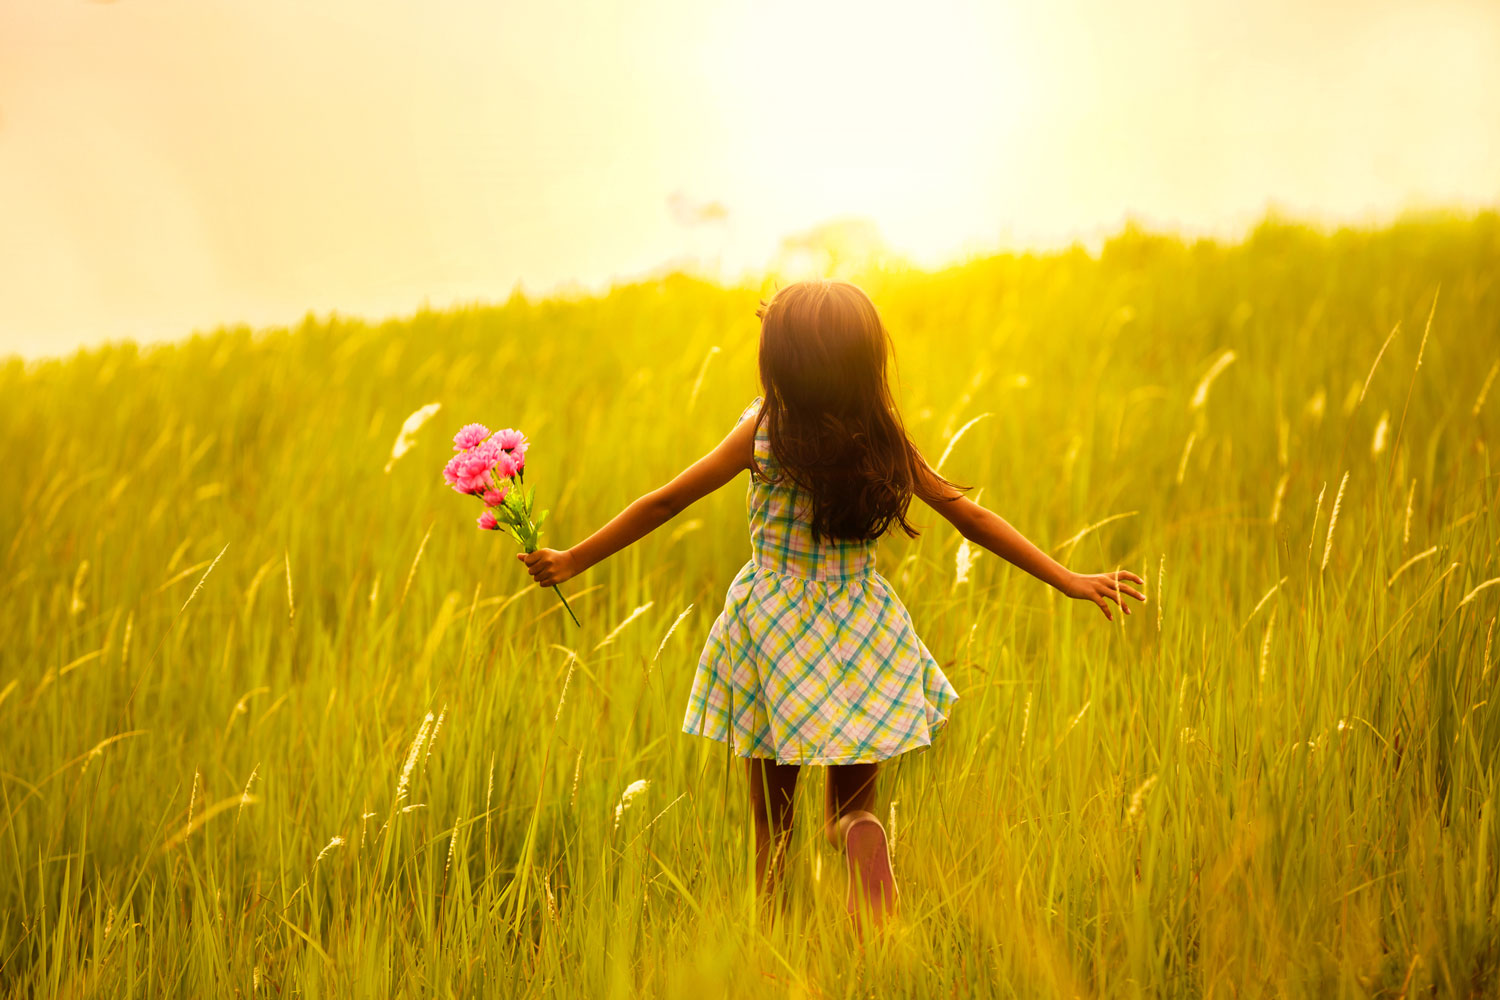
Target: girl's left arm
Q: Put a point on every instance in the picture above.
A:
(549, 567)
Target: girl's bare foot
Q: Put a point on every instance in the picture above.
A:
(872, 883)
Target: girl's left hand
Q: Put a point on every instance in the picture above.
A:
(549, 567)
(1102, 588)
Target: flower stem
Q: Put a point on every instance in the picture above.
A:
(571, 615)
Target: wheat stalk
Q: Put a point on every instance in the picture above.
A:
(403, 784)
(1411, 494)
(406, 437)
(964, 560)
(1161, 583)
(628, 797)
(1421, 350)
(76, 604)
(1475, 592)
(1489, 641)
(1265, 644)
(1138, 799)
(452, 846)
(1333, 520)
(1262, 602)
(291, 603)
(698, 382)
(436, 728)
(203, 579)
(1408, 564)
(411, 573)
(336, 842)
(1200, 394)
(1072, 723)
(245, 795)
(1379, 354)
(1025, 720)
(1279, 496)
(958, 434)
(1382, 430)
(621, 627)
(663, 644)
(1484, 390)
(577, 770)
(1317, 513)
(1187, 450)
(1094, 527)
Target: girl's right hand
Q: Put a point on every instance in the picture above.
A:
(1101, 588)
(549, 567)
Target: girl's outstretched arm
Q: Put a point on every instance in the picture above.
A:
(985, 527)
(549, 567)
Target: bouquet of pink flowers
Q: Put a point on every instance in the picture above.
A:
(493, 468)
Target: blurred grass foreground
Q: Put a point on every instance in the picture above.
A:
(276, 721)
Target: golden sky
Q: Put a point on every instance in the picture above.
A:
(167, 165)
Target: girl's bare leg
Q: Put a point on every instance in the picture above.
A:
(851, 824)
(772, 788)
(849, 788)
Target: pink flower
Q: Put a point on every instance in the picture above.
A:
(450, 472)
(469, 436)
(494, 498)
(487, 521)
(511, 439)
(506, 465)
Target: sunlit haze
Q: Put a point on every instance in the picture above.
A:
(170, 165)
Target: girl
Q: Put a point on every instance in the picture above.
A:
(814, 659)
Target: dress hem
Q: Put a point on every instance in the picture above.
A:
(872, 756)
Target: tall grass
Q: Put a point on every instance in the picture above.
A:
(275, 720)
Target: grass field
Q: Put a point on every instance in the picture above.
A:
(226, 627)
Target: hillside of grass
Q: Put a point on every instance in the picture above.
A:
(277, 721)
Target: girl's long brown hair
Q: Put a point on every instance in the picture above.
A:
(834, 428)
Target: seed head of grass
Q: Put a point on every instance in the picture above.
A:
(203, 579)
(632, 792)
(1187, 450)
(1138, 799)
(403, 785)
(1200, 394)
(1025, 720)
(1484, 390)
(1265, 645)
(245, 795)
(437, 727)
(957, 436)
(1317, 513)
(76, 605)
(1476, 591)
(1378, 355)
(335, 842)
(407, 436)
(1161, 582)
(1411, 495)
(1333, 520)
(621, 627)
(1382, 432)
(675, 622)
(965, 560)
(1278, 497)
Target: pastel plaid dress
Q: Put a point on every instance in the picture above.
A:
(814, 659)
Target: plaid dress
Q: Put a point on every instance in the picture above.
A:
(814, 659)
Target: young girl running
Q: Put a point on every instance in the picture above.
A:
(814, 659)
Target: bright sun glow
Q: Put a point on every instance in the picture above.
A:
(878, 113)
(171, 164)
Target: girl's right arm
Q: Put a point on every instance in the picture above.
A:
(986, 528)
(549, 567)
